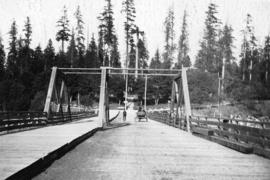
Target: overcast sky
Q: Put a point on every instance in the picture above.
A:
(150, 18)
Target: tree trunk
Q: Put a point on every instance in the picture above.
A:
(156, 101)
(63, 46)
(266, 73)
(250, 71)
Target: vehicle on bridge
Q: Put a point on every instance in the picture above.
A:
(141, 114)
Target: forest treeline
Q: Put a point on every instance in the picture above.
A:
(25, 71)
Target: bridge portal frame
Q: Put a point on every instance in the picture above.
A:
(104, 100)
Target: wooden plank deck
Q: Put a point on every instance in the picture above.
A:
(151, 150)
(18, 150)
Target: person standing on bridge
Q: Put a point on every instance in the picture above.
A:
(124, 115)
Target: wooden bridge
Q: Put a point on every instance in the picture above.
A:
(172, 145)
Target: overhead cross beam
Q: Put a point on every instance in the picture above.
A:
(121, 71)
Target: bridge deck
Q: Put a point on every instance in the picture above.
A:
(150, 150)
(21, 149)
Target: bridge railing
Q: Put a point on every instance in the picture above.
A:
(20, 120)
(254, 134)
(17, 120)
(65, 116)
(239, 134)
(165, 117)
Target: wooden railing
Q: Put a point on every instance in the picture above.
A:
(166, 118)
(63, 117)
(19, 120)
(251, 134)
(241, 135)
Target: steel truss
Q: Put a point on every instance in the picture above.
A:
(179, 82)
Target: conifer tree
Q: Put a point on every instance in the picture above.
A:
(79, 31)
(143, 54)
(110, 41)
(2, 60)
(128, 8)
(183, 47)
(92, 55)
(170, 46)
(156, 61)
(208, 53)
(248, 50)
(266, 53)
(72, 52)
(38, 61)
(49, 56)
(115, 54)
(12, 60)
(28, 32)
(64, 31)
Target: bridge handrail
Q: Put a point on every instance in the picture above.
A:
(258, 137)
(24, 119)
(232, 120)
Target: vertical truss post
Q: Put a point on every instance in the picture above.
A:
(102, 108)
(186, 96)
(180, 94)
(107, 108)
(59, 106)
(145, 93)
(50, 91)
(126, 93)
(172, 100)
(177, 102)
(68, 101)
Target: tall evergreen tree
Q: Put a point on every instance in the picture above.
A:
(2, 60)
(72, 52)
(115, 54)
(156, 61)
(225, 45)
(183, 46)
(128, 8)
(49, 56)
(101, 52)
(170, 46)
(79, 31)
(92, 55)
(38, 61)
(248, 51)
(64, 31)
(25, 54)
(12, 60)
(110, 41)
(143, 54)
(28, 32)
(208, 53)
(266, 52)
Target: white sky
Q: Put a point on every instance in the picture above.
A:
(150, 18)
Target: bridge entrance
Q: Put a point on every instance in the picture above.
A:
(179, 94)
